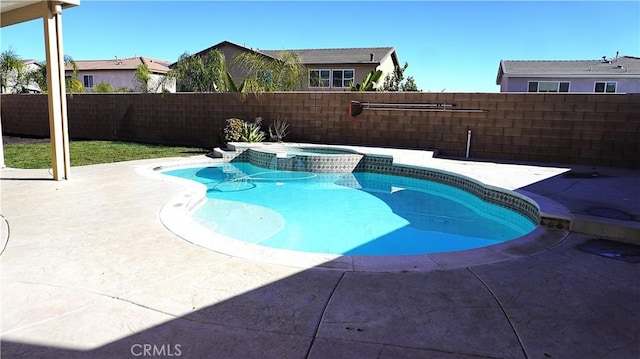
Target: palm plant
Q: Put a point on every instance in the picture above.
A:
(264, 74)
(206, 73)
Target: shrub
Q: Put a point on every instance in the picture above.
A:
(233, 129)
(240, 130)
(104, 87)
(278, 130)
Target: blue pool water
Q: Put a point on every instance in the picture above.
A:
(356, 213)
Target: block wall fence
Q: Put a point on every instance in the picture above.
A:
(591, 129)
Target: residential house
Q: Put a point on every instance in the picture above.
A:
(26, 84)
(120, 74)
(328, 69)
(620, 74)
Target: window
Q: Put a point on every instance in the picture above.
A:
(606, 87)
(319, 78)
(548, 86)
(342, 78)
(267, 77)
(88, 81)
(331, 78)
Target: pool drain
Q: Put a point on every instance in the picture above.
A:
(612, 250)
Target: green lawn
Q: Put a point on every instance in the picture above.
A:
(38, 155)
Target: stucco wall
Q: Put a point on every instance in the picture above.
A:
(584, 85)
(124, 79)
(116, 79)
(594, 129)
(386, 66)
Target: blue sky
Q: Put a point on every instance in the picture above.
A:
(454, 46)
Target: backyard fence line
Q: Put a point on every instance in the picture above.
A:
(593, 129)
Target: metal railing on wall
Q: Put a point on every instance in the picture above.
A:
(356, 107)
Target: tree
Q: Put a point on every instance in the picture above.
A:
(12, 72)
(409, 85)
(39, 76)
(142, 75)
(284, 73)
(145, 81)
(394, 81)
(201, 73)
(72, 83)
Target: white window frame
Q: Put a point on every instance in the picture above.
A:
(84, 81)
(548, 82)
(321, 81)
(615, 86)
(345, 82)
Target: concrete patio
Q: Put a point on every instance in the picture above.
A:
(90, 271)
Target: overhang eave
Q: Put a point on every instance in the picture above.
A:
(15, 12)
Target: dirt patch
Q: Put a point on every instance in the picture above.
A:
(15, 140)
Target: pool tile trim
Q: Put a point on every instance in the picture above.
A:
(351, 161)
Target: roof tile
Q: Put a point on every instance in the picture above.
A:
(157, 66)
(623, 64)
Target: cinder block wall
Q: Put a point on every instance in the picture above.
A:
(594, 129)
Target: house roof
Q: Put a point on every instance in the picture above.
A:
(338, 56)
(618, 66)
(323, 56)
(155, 65)
(29, 62)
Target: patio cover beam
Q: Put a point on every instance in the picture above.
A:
(51, 13)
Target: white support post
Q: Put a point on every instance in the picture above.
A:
(1, 146)
(57, 92)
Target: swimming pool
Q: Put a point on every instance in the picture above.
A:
(352, 213)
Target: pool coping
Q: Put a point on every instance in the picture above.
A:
(176, 216)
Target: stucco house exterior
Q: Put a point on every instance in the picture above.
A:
(619, 74)
(119, 73)
(329, 69)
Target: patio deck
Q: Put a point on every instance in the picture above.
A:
(89, 270)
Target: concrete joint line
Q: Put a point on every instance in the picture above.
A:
(564, 189)
(504, 311)
(55, 317)
(324, 311)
